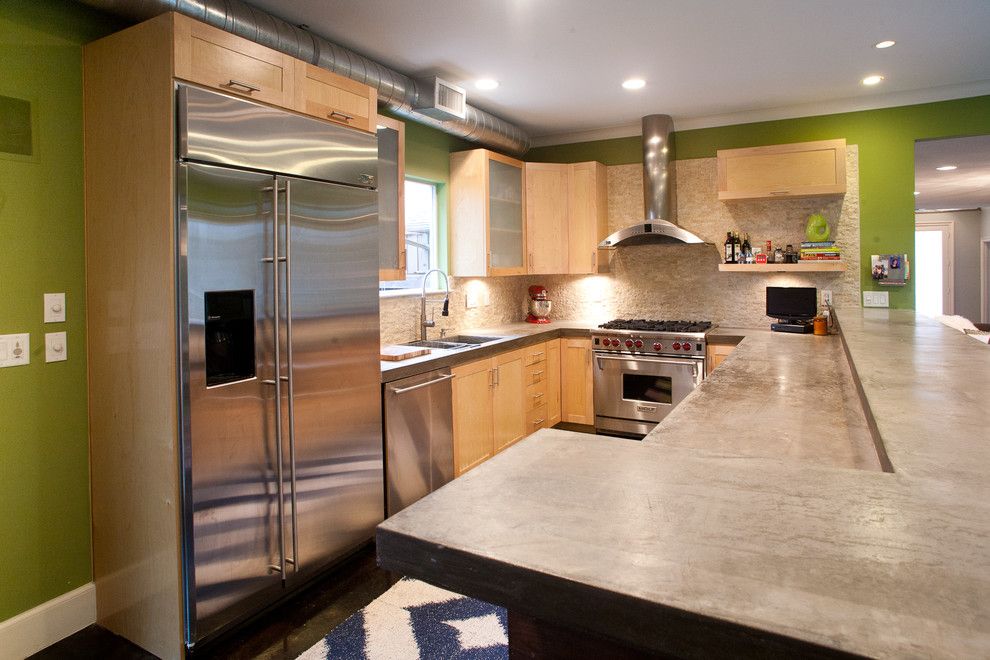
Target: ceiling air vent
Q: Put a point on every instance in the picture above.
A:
(448, 101)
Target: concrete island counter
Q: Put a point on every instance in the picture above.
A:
(713, 536)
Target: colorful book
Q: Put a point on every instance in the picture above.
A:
(817, 244)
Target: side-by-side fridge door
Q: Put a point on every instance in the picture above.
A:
(233, 549)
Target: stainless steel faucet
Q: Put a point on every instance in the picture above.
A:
(423, 322)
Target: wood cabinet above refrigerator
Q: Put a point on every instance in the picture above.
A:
(391, 198)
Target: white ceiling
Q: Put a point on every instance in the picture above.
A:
(964, 188)
(706, 62)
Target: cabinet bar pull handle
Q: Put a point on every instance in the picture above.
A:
(538, 422)
(538, 395)
(248, 88)
(403, 390)
(538, 373)
(537, 353)
(337, 114)
(779, 192)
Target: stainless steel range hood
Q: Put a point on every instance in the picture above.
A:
(659, 197)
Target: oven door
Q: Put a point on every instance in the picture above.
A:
(633, 393)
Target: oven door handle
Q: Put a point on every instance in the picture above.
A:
(696, 363)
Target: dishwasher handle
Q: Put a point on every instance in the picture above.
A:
(403, 390)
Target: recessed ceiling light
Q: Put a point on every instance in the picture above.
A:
(885, 44)
(872, 80)
(945, 168)
(634, 83)
(485, 83)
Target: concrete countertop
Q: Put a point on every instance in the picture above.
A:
(674, 547)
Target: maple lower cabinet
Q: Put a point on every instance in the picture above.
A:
(487, 214)
(500, 400)
(715, 355)
(587, 216)
(802, 169)
(473, 421)
(547, 218)
(508, 398)
(577, 404)
(553, 383)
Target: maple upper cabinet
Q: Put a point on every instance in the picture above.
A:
(547, 217)
(487, 214)
(577, 402)
(214, 58)
(566, 216)
(587, 216)
(327, 95)
(803, 169)
(391, 198)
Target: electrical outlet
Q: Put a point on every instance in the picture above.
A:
(827, 297)
(472, 299)
(876, 299)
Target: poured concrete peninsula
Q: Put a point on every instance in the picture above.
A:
(713, 536)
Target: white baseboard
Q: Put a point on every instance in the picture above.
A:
(42, 626)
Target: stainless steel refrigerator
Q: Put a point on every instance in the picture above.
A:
(281, 442)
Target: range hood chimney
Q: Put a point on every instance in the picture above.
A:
(659, 198)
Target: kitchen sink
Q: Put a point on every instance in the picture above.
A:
(454, 343)
(473, 339)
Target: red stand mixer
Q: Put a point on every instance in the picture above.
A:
(539, 305)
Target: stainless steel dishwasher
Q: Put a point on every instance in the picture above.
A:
(419, 443)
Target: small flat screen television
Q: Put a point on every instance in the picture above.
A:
(792, 304)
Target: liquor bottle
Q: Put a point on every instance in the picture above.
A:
(769, 252)
(736, 248)
(729, 252)
(747, 250)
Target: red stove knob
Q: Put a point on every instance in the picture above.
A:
(676, 346)
(615, 343)
(686, 346)
(657, 346)
(639, 343)
(629, 343)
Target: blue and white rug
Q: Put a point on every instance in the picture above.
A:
(416, 620)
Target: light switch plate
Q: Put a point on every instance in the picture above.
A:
(15, 350)
(827, 297)
(876, 299)
(54, 308)
(56, 347)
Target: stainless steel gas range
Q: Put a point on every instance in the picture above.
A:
(644, 368)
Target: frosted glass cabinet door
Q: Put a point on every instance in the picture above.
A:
(505, 217)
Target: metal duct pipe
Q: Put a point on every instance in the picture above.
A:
(398, 92)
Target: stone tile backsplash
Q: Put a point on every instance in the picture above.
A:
(662, 281)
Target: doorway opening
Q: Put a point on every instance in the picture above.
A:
(933, 293)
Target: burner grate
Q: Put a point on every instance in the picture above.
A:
(649, 325)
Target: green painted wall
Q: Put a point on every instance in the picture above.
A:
(44, 464)
(886, 140)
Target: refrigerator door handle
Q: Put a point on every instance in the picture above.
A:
(277, 382)
(294, 559)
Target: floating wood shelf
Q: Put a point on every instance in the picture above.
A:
(800, 267)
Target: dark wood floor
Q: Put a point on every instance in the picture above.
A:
(281, 633)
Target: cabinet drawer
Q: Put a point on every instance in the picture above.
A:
(326, 95)
(536, 419)
(536, 395)
(536, 373)
(534, 354)
(218, 59)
